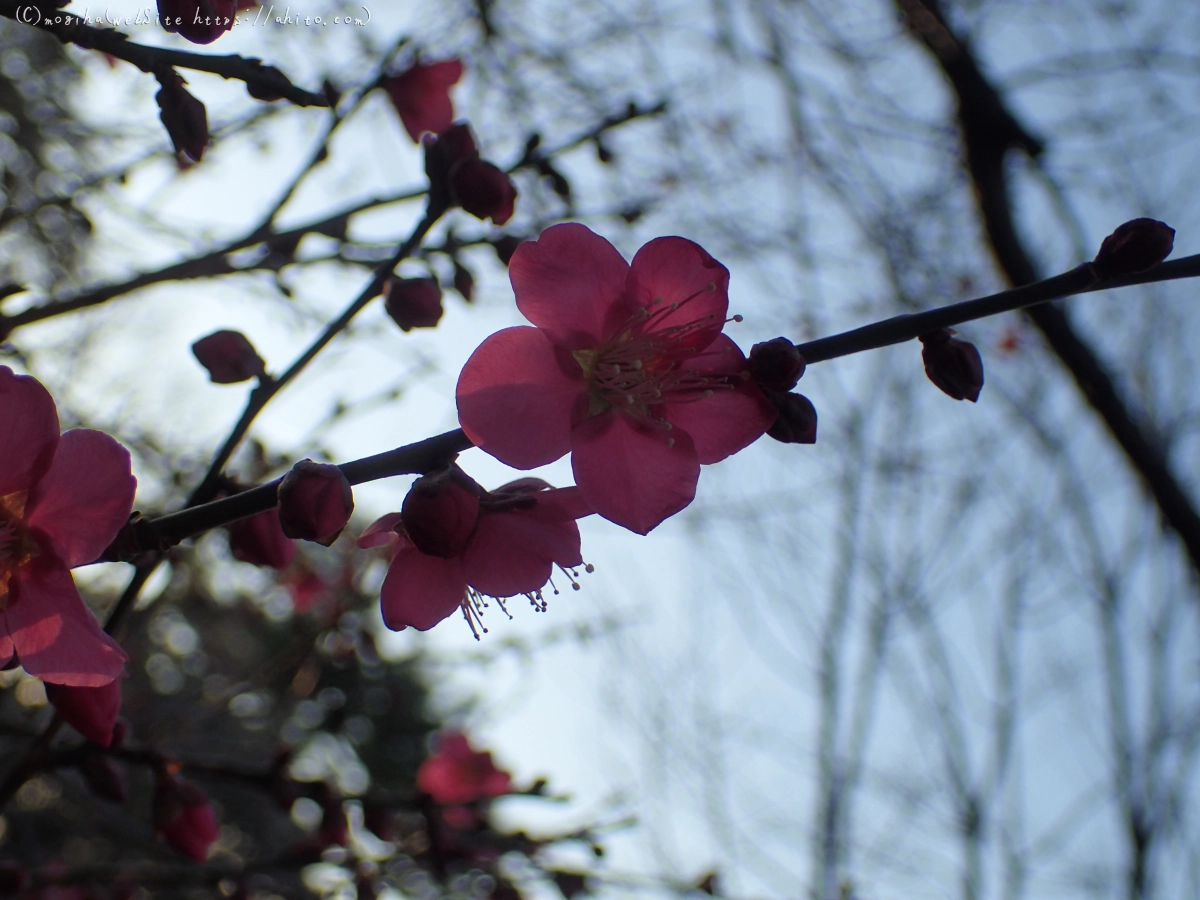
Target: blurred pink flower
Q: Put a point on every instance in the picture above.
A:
(421, 95)
(184, 816)
(63, 498)
(456, 773)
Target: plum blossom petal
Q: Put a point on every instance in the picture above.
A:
(92, 711)
(457, 773)
(28, 431)
(421, 96)
(632, 472)
(53, 632)
(517, 396)
(513, 552)
(420, 590)
(728, 420)
(85, 497)
(680, 273)
(381, 531)
(570, 283)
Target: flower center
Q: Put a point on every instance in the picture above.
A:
(17, 547)
(642, 366)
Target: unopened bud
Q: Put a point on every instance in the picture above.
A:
(184, 816)
(443, 153)
(953, 365)
(776, 364)
(229, 357)
(440, 512)
(315, 502)
(797, 420)
(182, 115)
(483, 190)
(1136, 246)
(92, 711)
(413, 302)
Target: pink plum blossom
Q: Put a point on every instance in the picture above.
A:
(63, 498)
(421, 95)
(457, 773)
(463, 544)
(626, 369)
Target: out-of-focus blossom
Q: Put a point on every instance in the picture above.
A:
(457, 773)
(63, 498)
(459, 177)
(315, 502)
(421, 95)
(497, 544)
(484, 190)
(626, 369)
(184, 816)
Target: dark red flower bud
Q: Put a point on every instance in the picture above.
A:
(442, 153)
(421, 96)
(13, 878)
(260, 541)
(184, 816)
(315, 502)
(776, 364)
(464, 281)
(797, 420)
(506, 245)
(413, 302)
(1136, 246)
(229, 357)
(953, 365)
(440, 512)
(103, 777)
(200, 21)
(182, 115)
(92, 711)
(484, 190)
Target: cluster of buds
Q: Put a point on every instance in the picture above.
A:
(776, 366)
